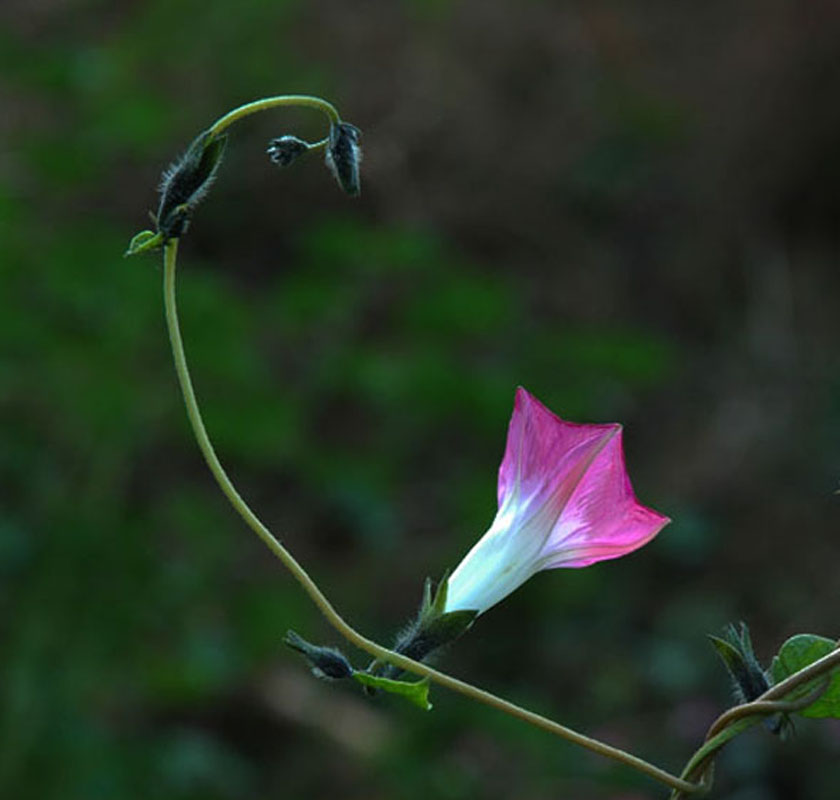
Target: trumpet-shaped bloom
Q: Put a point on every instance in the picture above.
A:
(565, 500)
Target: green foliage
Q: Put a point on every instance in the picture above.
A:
(416, 692)
(797, 653)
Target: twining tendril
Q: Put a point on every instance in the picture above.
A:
(738, 719)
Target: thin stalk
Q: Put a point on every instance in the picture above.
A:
(297, 100)
(311, 588)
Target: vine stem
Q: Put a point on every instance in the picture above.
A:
(736, 720)
(731, 724)
(306, 582)
(297, 100)
(770, 703)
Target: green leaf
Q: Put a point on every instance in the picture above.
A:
(796, 654)
(145, 240)
(416, 692)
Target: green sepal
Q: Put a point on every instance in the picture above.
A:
(729, 655)
(143, 241)
(736, 652)
(433, 605)
(433, 628)
(434, 622)
(416, 692)
(797, 653)
(448, 627)
(435, 625)
(733, 659)
(212, 150)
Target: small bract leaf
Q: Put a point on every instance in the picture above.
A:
(797, 653)
(416, 692)
(145, 240)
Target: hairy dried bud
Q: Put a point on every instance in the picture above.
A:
(285, 150)
(326, 662)
(186, 183)
(344, 155)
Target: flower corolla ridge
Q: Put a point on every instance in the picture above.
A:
(565, 500)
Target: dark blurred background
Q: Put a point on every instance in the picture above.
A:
(630, 208)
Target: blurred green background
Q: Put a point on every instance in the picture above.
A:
(630, 208)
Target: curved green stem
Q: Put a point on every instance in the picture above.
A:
(736, 720)
(701, 762)
(266, 103)
(764, 708)
(324, 605)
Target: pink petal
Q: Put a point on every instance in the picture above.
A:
(602, 519)
(544, 452)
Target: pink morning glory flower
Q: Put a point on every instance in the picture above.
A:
(565, 500)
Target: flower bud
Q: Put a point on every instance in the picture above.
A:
(736, 651)
(285, 150)
(326, 662)
(749, 680)
(186, 183)
(344, 155)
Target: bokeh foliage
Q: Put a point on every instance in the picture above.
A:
(622, 210)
